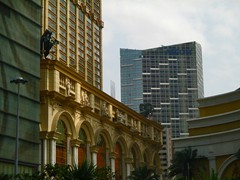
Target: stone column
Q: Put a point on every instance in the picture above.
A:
(44, 147)
(52, 154)
(94, 158)
(88, 153)
(53, 136)
(44, 151)
(54, 75)
(68, 150)
(112, 162)
(75, 155)
(108, 163)
(212, 164)
(139, 125)
(110, 110)
(128, 162)
(94, 151)
(75, 145)
(92, 100)
(124, 168)
(78, 92)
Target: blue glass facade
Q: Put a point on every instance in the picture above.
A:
(168, 77)
(131, 78)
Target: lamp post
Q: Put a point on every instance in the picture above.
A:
(18, 81)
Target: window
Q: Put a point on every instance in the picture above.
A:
(61, 145)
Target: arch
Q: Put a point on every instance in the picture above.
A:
(104, 145)
(83, 147)
(123, 144)
(225, 164)
(87, 127)
(136, 147)
(86, 137)
(147, 157)
(106, 136)
(61, 143)
(68, 121)
(156, 161)
(120, 150)
(135, 154)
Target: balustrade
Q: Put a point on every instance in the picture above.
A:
(108, 110)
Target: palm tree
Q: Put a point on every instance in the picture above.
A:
(143, 173)
(183, 163)
(86, 171)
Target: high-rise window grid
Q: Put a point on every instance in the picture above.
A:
(81, 43)
(52, 22)
(97, 8)
(171, 82)
(77, 26)
(63, 32)
(72, 35)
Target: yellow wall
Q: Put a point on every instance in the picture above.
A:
(220, 160)
(233, 170)
(214, 129)
(219, 109)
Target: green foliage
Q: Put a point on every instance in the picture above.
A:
(203, 176)
(183, 163)
(87, 171)
(5, 177)
(143, 173)
(104, 173)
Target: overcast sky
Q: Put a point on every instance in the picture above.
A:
(144, 24)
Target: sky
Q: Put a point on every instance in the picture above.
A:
(144, 24)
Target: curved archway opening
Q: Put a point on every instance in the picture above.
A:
(82, 149)
(118, 161)
(135, 164)
(101, 154)
(61, 143)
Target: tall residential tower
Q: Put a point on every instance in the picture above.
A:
(168, 77)
(77, 25)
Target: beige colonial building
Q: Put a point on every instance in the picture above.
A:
(81, 122)
(78, 120)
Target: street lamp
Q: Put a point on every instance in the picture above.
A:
(18, 81)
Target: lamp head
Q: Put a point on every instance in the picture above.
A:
(19, 80)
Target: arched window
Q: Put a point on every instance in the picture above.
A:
(61, 144)
(146, 158)
(134, 156)
(101, 155)
(118, 161)
(82, 150)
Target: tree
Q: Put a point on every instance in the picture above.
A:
(143, 173)
(183, 163)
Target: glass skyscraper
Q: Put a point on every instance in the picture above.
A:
(20, 32)
(168, 77)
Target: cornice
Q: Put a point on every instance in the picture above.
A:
(219, 99)
(215, 120)
(56, 65)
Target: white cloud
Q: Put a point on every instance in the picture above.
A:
(142, 24)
